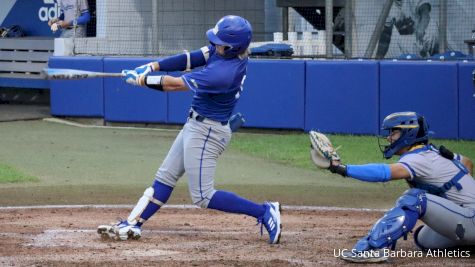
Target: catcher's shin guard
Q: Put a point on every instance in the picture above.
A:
(153, 198)
(396, 223)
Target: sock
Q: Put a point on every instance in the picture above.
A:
(162, 193)
(230, 202)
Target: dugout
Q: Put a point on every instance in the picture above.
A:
(26, 51)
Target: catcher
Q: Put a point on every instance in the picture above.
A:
(442, 193)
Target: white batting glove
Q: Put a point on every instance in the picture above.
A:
(132, 77)
(147, 68)
(54, 27)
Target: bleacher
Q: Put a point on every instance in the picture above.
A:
(22, 60)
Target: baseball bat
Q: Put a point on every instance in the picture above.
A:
(72, 74)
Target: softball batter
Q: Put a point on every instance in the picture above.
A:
(206, 134)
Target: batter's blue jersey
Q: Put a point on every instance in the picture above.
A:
(217, 86)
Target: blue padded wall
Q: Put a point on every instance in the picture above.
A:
(128, 103)
(429, 88)
(83, 97)
(273, 95)
(342, 96)
(466, 101)
(179, 104)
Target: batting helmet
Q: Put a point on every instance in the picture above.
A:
(233, 32)
(413, 127)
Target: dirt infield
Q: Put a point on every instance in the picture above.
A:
(188, 237)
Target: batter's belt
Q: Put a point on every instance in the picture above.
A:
(195, 115)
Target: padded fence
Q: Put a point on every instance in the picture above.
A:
(348, 97)
(84, 97)
(466, 101)
(342, 97)
(128, 103)
(274, 94)
(429, 88)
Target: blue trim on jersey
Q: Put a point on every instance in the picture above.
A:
(432, 189)
(422, 149)
(369, 172)
(187, 84)
(201, 160)
(410, 168)
(442, 205)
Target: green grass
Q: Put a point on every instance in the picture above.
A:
(9, 174)
(293, 149)
(113, 166)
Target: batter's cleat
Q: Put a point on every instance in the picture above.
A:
(271, 221)
(121, 230)
(367, 256)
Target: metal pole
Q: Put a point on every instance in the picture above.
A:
(379, 29)
(155, 23)
(285, 22)
(329, 28)
(443, 26)
(348, 28)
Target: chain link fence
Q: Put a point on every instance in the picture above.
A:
(375, 29)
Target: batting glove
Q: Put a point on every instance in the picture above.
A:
(147, 68)
(132, 77)
(55, 27)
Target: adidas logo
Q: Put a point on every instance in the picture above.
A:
(271, 224)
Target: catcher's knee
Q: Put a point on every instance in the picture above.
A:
(413, 199)
(201, 198)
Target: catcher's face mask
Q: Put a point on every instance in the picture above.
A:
(388, 138)
(413, 130)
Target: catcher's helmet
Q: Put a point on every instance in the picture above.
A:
(413, 127)
(233, 32)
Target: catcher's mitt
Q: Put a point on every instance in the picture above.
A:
(322, 151)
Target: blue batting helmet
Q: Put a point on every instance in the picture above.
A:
(413, 127)
(233, 32)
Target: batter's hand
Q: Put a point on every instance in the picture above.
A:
(147, 68)
(54, 27)
(132, 77)
(52, 21)
(59, 25)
